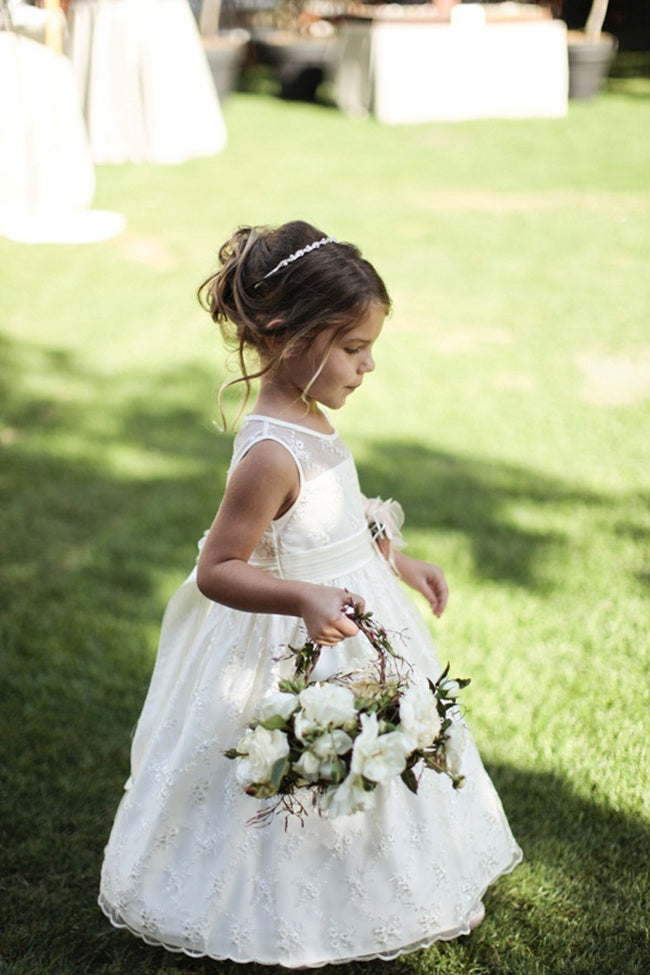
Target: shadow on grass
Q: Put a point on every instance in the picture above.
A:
(629, 75)
(126, 496)
(92, 547)
(631, 64)
(487, 503)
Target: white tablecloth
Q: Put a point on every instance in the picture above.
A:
(146, 88)
(44, 155)
(423, 72)
(47, 178)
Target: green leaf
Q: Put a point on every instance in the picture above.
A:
(409, 780)
(338, 772)
(275, 723)
(386, 726)
(277, 772)
(232, 753)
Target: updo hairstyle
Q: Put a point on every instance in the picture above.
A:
(329, 287)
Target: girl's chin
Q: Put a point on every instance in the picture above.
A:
(334, 402)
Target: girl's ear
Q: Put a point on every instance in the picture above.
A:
(273, 334)
(274, 324)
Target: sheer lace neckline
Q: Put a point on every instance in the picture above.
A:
(293, 426)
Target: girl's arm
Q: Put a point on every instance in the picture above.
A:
(263, 486)
(385, 519)
(424, 577)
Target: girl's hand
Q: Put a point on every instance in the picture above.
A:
(424, 578)
(322, 610)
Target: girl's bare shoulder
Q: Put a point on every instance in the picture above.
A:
(267, 471)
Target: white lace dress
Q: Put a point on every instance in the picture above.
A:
(182, 869)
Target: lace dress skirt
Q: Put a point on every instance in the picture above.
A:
(183, 869)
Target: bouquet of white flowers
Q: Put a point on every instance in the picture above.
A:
(342, 737)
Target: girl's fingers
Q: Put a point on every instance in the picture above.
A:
(440, 599)
(331, 640)
(347, 627)
(342, 628)
(337, 625)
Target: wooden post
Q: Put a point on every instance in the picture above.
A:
(596, 17)
(53, 37)
(209, 17)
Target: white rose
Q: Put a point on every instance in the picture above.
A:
(348, 797)
(263, 748)
(379, 757)
(419, 718)
(244, 773)
(244, 741)
(455, 746)
(278, 704)
(324, 705)
(308, 766)
(331, 744)
(303, 726)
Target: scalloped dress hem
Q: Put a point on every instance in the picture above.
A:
(390, 955)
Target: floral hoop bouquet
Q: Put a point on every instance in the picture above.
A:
(340, 738)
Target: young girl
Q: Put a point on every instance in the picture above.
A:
(287, 550)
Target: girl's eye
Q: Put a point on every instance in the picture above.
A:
(352, 351)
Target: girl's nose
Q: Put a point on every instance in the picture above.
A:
(367, 363)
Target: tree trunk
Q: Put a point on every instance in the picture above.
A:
(209, 17)
(596, 17)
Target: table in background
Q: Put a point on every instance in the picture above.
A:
(146, 88)
(45, 161)
(467, 69)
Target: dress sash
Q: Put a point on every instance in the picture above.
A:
(326, 562)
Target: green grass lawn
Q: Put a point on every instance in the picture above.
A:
(509, 413)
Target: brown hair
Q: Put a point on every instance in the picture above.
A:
(329, 287)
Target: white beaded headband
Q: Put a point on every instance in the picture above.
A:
(301, 253)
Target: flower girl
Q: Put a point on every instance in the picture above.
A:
(297, 557)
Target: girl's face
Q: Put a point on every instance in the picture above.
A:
(338, 368)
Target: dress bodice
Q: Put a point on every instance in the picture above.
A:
(327, 520)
